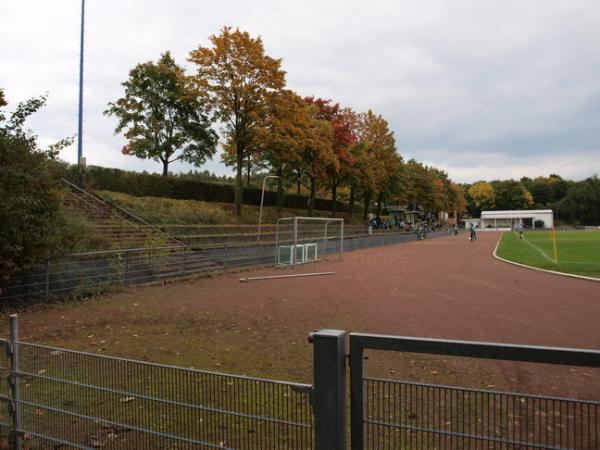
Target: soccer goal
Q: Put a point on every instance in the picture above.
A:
(300, 240)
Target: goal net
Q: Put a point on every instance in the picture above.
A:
(300, 240)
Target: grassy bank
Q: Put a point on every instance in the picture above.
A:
(166, 211)
(578, 251)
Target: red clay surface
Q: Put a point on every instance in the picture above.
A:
(446, 288)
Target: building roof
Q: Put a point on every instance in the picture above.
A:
(515, 213)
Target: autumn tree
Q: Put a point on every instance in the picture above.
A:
(317, 154)
(162, 117)
(284, 136)
(458, 201)
(420, 185)
(235, 77)
(377, 160)
(343, 124)
(483, 195)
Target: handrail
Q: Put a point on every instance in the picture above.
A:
(122, 210)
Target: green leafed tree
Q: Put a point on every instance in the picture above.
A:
(30, 210)
(582, 202)
(511, 194)
(162, 115)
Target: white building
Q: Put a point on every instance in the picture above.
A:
(508, 220)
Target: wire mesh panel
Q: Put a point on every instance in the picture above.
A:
(406, 415)
(393, 414)
(82, 400)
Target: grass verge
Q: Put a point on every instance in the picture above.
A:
(161, 211)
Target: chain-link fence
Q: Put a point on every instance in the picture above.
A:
(88, 273)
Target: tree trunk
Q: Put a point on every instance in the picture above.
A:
(351, 202)
(249, 168)
(379, 201)
(237, 207)
(334, 198)
(299, 179)
(165, 167)
(279, 192)
(367, 204)
(313, 189)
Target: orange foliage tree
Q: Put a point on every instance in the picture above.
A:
(236, 76)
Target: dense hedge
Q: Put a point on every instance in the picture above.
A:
(153, 185)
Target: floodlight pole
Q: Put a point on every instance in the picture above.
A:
(80, 121)
(262, 199)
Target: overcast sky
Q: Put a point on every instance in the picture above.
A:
(482, 89)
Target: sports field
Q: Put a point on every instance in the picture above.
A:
(578, 252)
(446, 288)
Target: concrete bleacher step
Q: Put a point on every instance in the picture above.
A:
(116, 224)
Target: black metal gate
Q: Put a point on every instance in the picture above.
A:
(394, 414)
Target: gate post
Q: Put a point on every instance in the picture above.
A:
(15, 407)
(329, 401)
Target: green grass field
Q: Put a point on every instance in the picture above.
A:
(578, 251)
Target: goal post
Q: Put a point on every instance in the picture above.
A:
(300, 240)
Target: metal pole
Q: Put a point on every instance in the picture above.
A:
(356, 395)
(277, 242)
(14, 382)
(185, 252)
(325, 246)
(80, 121)
(329, 361)
(295, 243)
(262, 199)
(47, 287)
(342, 241)
(276, 277)
(126, 267)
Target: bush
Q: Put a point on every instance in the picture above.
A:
(538, 223)
(153, 185)
(30, 210)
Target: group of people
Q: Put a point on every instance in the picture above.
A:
(425, 225)
(473, 232)
(376, 223)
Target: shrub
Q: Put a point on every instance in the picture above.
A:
(184, 188)
(538, 223)
(30, 210)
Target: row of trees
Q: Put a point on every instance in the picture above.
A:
(574, 202)
(167, 115)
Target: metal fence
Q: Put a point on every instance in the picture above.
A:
(394, 414)
(59, 398)
(401, 414)
(91, 272)
(68, 399)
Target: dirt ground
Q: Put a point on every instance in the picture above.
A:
(446, 288)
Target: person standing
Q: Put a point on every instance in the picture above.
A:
(520, 230)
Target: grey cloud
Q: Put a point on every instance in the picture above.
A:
(473, 87)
